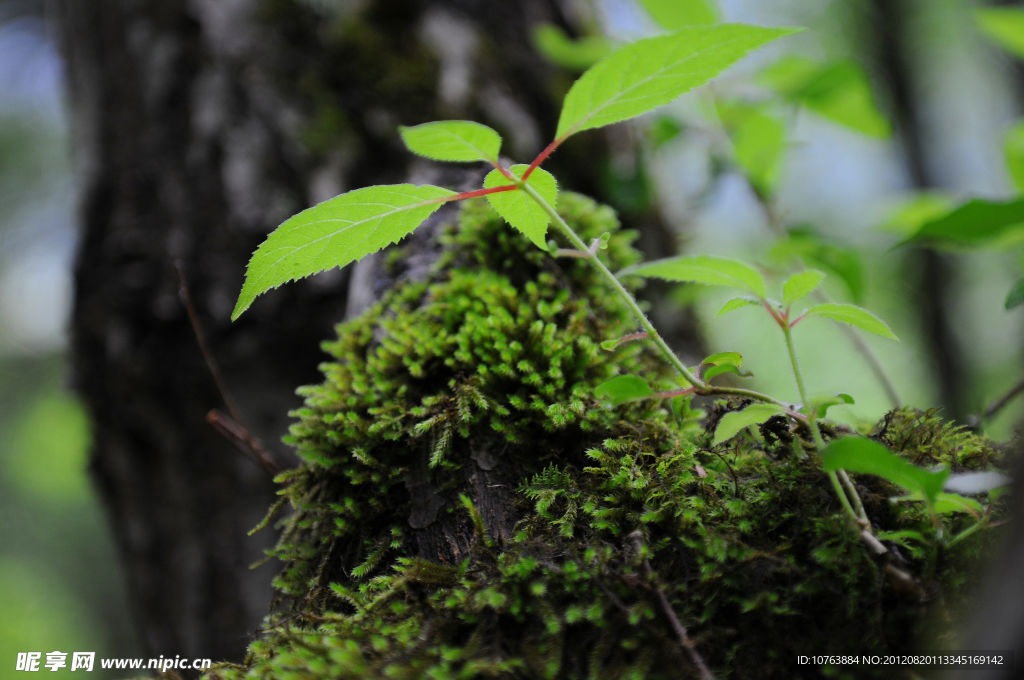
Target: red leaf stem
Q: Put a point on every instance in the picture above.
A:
(542, 157)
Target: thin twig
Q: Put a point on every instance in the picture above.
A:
(684, 639)
(233, 429)
(243, 441)
(858, 505)
(869, 356)
(1002, 401)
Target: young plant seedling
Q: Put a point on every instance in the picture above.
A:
(634, 79)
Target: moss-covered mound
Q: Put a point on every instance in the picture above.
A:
(467, 509)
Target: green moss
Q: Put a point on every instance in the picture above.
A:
(498, 352)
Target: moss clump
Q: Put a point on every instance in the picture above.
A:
(466, 509)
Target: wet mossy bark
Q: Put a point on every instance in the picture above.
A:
(466, 508)
(199, 126)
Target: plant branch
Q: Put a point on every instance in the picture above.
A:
(542, 156)
(873, 362)
(479, 192)
(571, 252)
(628, 338)
(774, 222)
(231, 428)
(838, 480)
(685, 642)
(858, 505)
(702, 388)
(997, 405)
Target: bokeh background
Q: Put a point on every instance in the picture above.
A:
(60, 583)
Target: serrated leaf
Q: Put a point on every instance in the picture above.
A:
(518, 209)
(336, 232)
(725, 368)
(719, 358)
(858, 454)
(853, 315)
(976, 482)
(809, 248)
(759, 143)
(755, 414)
(821, 405)
(800, 285)
(735, 303)
(705, 269)
(1013, 151)
(675, 14)
(623, 388)
(575, 55)
(977, 222)
(1015, 298)
(643, 75)
(1004, 25)
(452, 140)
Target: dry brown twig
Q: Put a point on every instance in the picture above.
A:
(232, 428)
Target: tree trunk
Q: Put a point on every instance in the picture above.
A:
(936, 272)
(200, 125)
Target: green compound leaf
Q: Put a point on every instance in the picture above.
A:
(821, 405)
(978, 222)
(336, 232)
(759, 143)
(735, 303)
(675, 14)
(518, 209)
(705, 269)
(1013, 150)
(643, 75)
(858, 454)
(459, 141)
(575, 55)
(1004, 25)
(755, 414)
(1015, 298)
(799, 286)
(853, 315)
(623, 388)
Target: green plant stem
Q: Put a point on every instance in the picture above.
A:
(774, 223)
(966, 532)
(700, 386)
(812, 417)
(843, 498)
(840, 479)
(857, 504)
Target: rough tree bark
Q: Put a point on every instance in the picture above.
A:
(199, 125)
